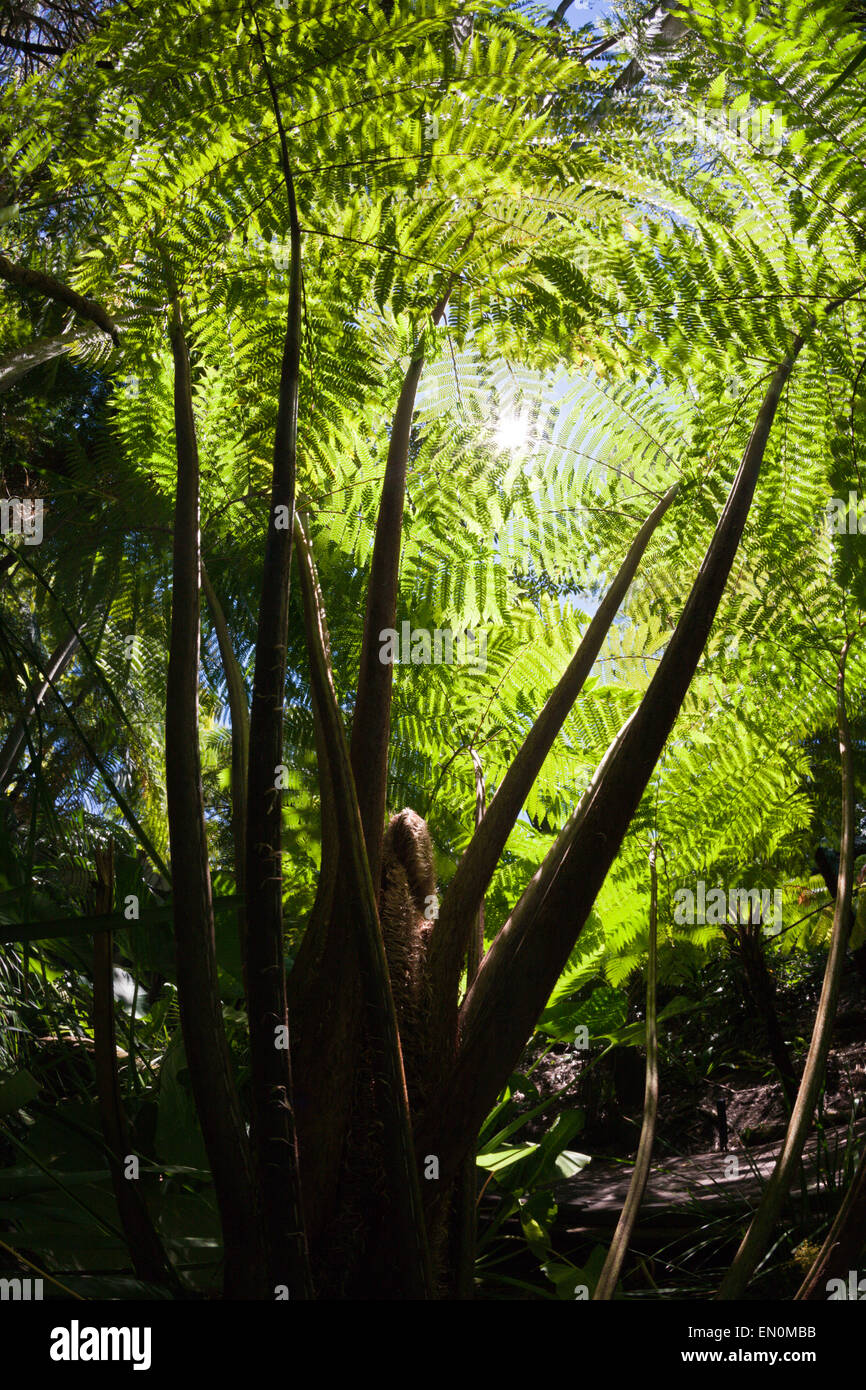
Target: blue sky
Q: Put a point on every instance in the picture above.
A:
(584, 11)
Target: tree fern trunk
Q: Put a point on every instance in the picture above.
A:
(325, 1048)
(401, 1256)
(747, 944)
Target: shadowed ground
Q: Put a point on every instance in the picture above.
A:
(695, 1186)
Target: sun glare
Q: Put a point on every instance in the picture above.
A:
(512, 432)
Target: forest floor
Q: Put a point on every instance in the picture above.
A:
(693, 1163)
(703, 1184)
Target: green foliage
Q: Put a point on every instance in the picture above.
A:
(615, 301)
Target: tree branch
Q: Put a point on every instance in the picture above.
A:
(46, 285)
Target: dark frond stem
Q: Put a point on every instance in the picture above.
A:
(559, 13)
(309, 955)
(32, 49)
(371, 726)
(524, 962)
(476, 939)
(273, 1121)
(563, 8)
(201, 1013)
(477, 865)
